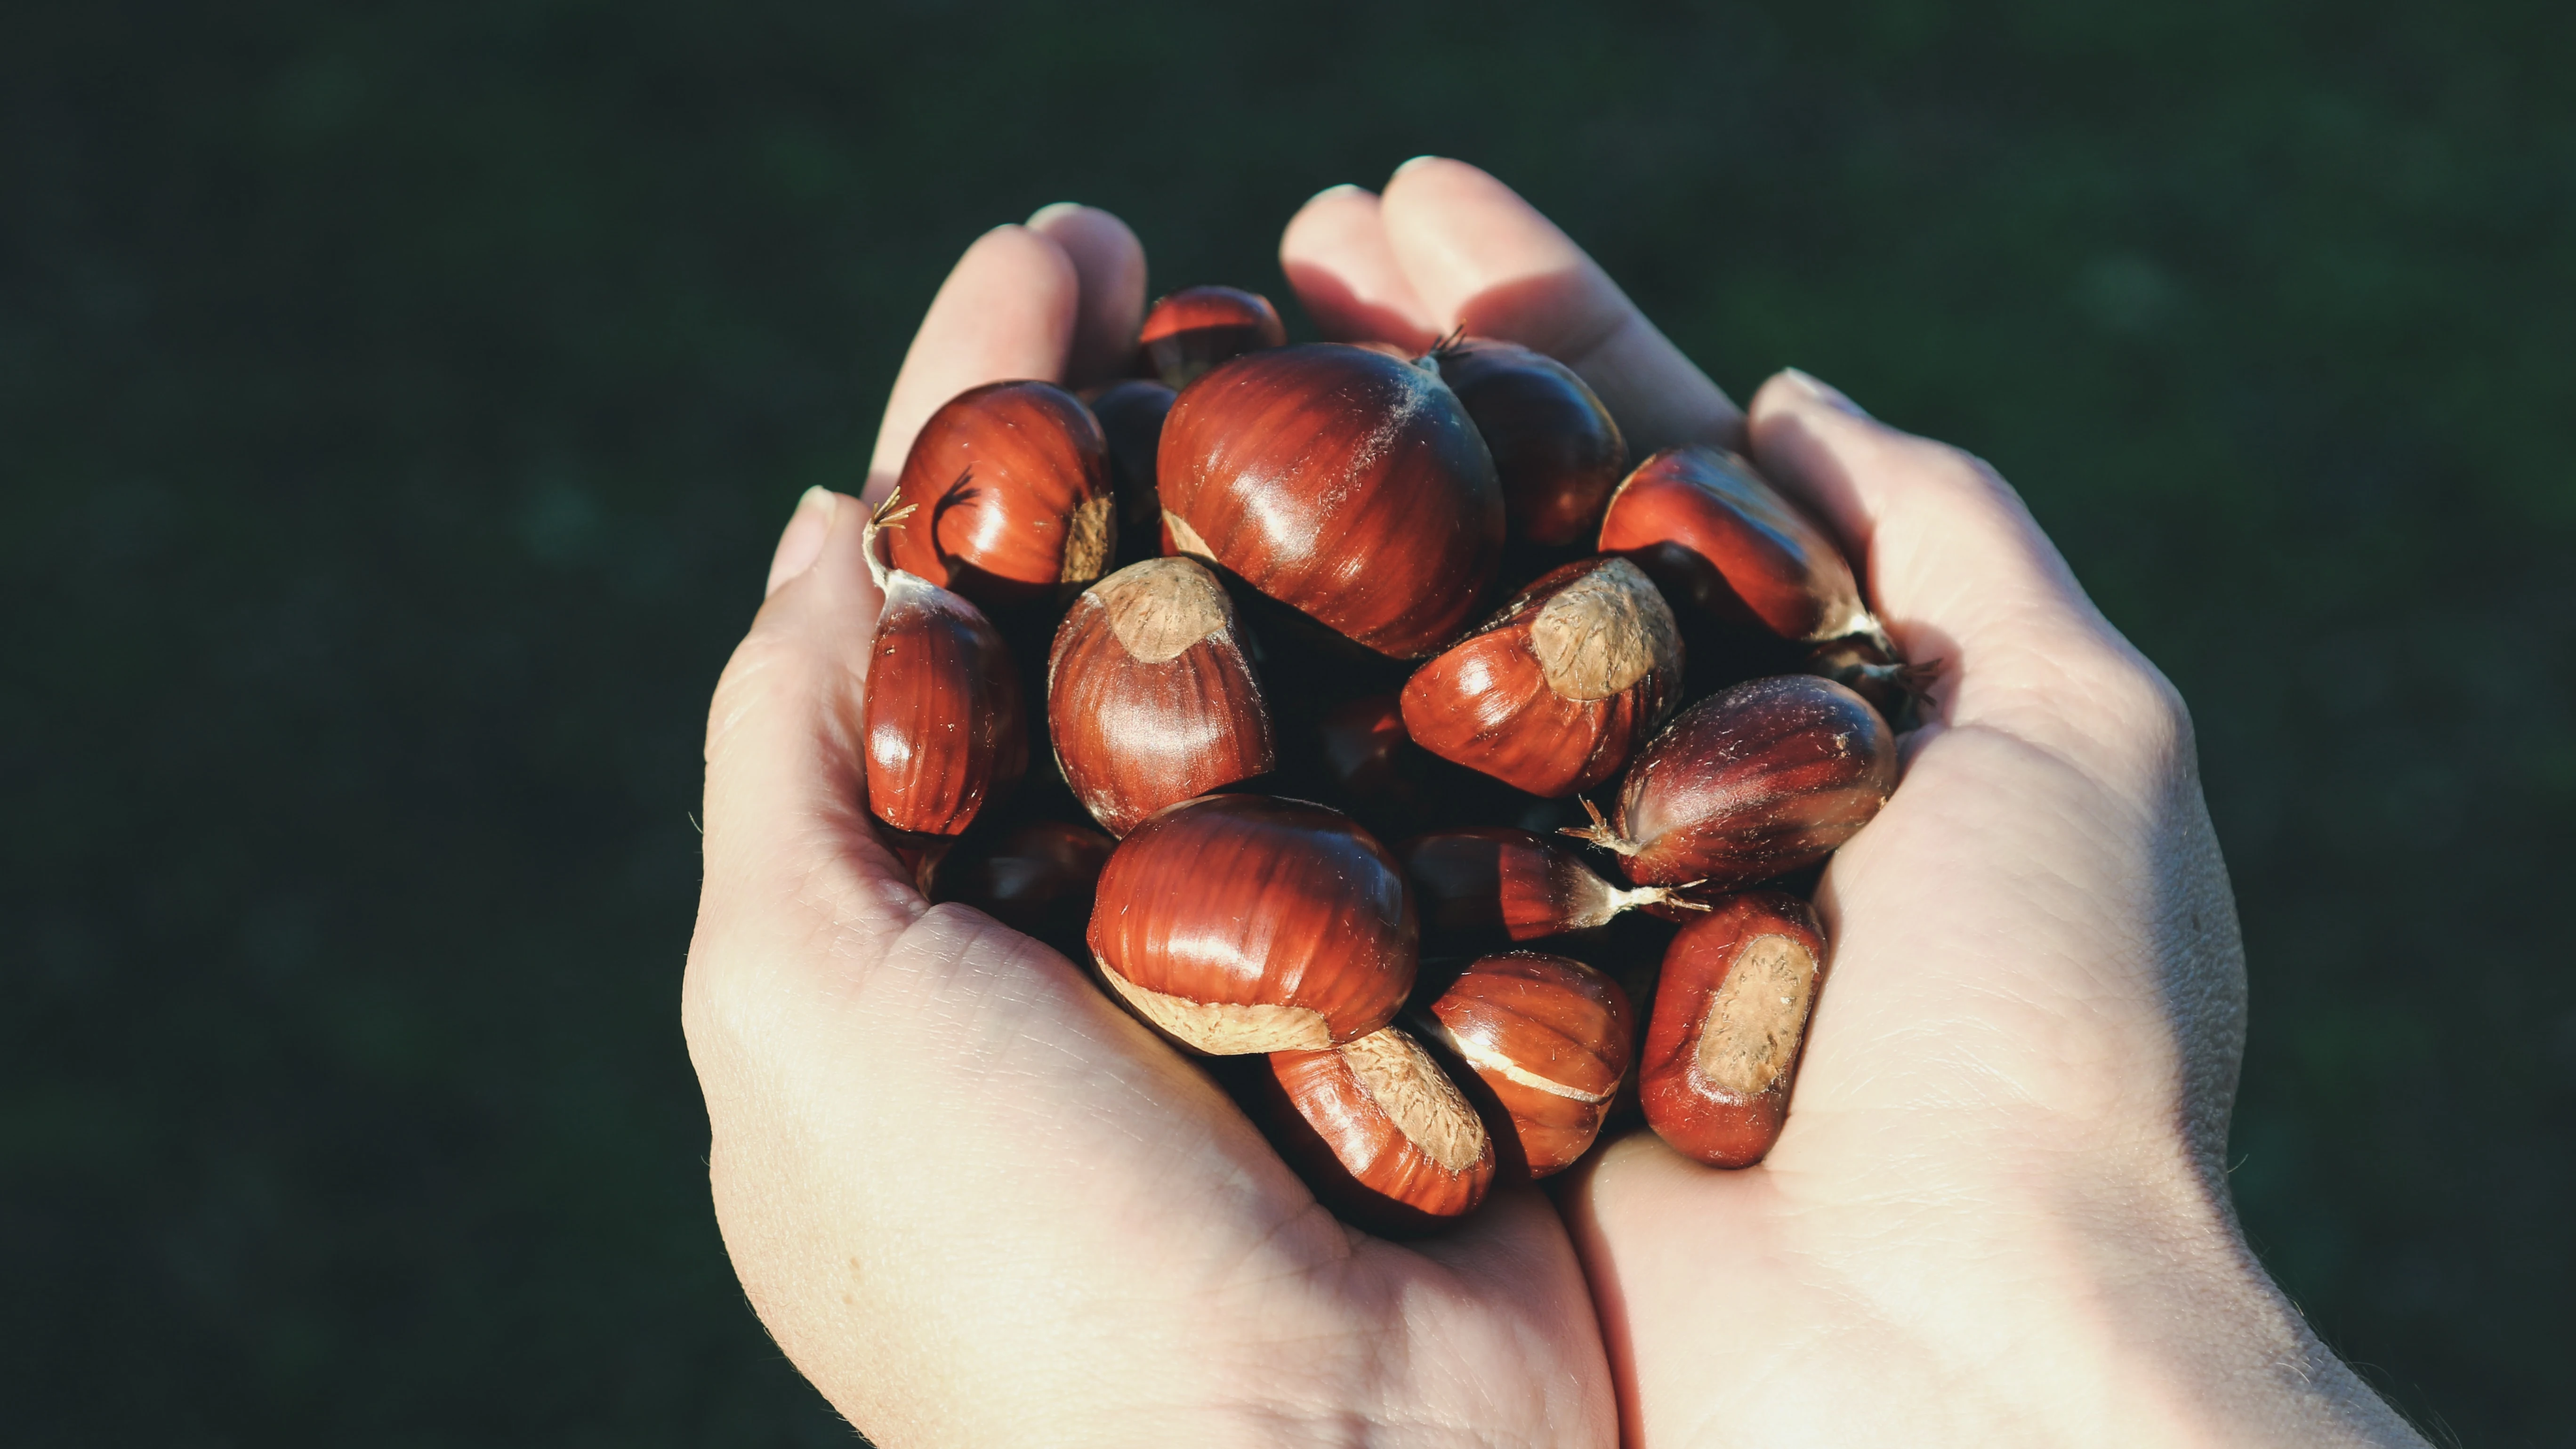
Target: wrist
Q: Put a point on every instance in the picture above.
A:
(1975, 1294)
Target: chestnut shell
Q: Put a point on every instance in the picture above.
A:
(1756, 781)
(1737, 993)
(1250, 901)
(1347, 1120)
(1011, 486)
(1344, 483)
(1150, 697)
(1551, 694)
(1557, 453)
(1196, 328)
(942, 726)
(1480, 886)
(1715, 534)
(1550, 1037)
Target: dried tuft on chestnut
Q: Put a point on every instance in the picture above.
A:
(1482, 885)
(1730, 1021)
(1714, 534)
(942, 726)
(1242, 923)
(1012, 479)
(1893, 687)
(1150, 698)
(1551, 694)
(1752, 782)
(1556, 451)
(1380, 1133)
(1196, 328)
(1551, 1037)
(1341, 482)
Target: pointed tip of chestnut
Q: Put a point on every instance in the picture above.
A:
(1552, 694)
(1737, 993)
(1151, 696)
(1197, 328)
(1343, 483)
(1011, 483)
(1245, 923)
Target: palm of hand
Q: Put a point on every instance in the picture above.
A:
(976, 1203)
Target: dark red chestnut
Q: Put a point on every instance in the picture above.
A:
(1035, 877)
(1752, 782)
(1012, 479)
(1341, 482)
(1551, 1037)
(942, 723)
(1730, 1018)
(1149, 696)
(1713, 533)
(1556, 450)
(1550, 695)
(1486, 884)
(1380, 1133)
(1131, 419)
(1196, 328)
(1241, 923)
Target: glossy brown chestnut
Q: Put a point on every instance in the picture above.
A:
(1035, 877)
(1730, 1020)
(1551, 1037)
(1131, 419)
(1483, 885)
(1715, 534)
(1196, 328)
(1242, 923)
(942, 723)
(1752, 782)
(1012, 479)
(1150, 698)
(1551, 694)
(1556, 451)
(1380, 1133)
(1341, 482)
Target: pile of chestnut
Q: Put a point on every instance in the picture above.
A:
(1321, 753)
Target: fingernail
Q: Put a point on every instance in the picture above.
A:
(802, 542)
(1051, 211)
(1334, 190)
(1409, 165)
(1822, 391)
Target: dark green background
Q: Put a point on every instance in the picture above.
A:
(398, 404)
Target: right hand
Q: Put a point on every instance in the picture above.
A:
(1997, 1213)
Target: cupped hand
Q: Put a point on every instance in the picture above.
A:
(974, 1201)
(1997, 1213)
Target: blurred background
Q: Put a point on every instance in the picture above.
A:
(398, 404)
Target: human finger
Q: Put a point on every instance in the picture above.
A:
(1109, 263)
(1959, 571)
(1481, 258)
(1336, 257)
(1007, 310)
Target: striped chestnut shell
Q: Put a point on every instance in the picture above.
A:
(1244, 923)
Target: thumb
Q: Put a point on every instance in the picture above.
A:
(786, 818)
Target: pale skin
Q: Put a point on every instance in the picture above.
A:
(976, 1203)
